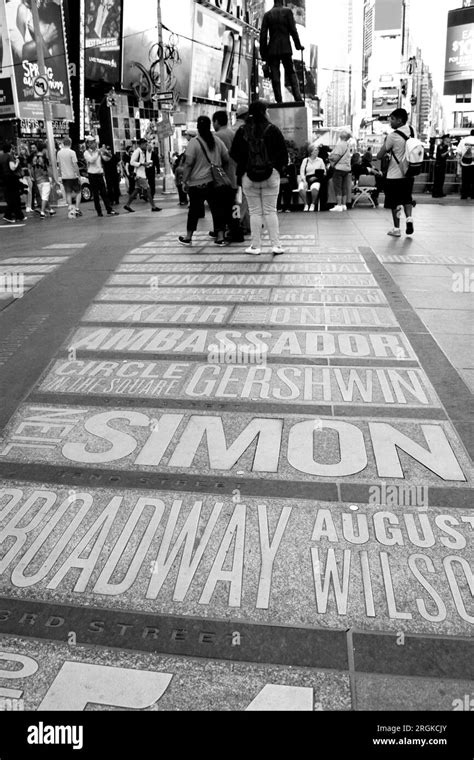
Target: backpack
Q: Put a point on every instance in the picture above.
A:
(467, 156)
(259, 166)
(414, 154)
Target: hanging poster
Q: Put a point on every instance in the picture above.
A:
(103, 21)
(23, 45)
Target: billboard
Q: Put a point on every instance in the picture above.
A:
(103, 28)
(23, 48)
(459, 69)
(299, 10)
(7, 105)
(384, 101)
(140, 36)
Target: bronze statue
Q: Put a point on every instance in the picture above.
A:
(278, 26)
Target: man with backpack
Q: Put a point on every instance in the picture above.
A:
(465, 154)
(400, 179)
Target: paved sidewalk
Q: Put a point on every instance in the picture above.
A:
(232, 482)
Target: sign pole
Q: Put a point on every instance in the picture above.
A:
(48, 120)
(168, 180)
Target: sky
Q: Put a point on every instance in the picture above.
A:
(428, 28)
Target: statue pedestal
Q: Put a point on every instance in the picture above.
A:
(295, 120)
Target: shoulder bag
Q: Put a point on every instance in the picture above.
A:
(219, 177)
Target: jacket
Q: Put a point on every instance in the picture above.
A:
(340, 157)
(279, 24)
(274, 142)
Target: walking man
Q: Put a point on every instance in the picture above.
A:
(69, 175)
(141, 160)
(465, 154)
(442, 153)
(95, 172)
(9, 164)
(398, 187)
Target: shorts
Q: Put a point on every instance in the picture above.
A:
(72, 185)
(398, 192)
(142, 184)
(44, 190)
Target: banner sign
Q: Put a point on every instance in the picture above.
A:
(19, 22)
(7, 106)
(7, 103)
(103, 22)
(299, 10)
(459, 51)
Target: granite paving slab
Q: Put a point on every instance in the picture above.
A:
(114, 680)
(380, 568)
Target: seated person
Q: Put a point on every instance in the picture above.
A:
(312, 173)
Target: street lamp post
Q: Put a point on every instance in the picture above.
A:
(48, 119)
(167, 173)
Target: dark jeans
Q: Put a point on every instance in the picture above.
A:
(219, 209)
(12, 190)
(183, 197)
(112, 181)
(151, 177)
(467, 181)
(290, 75)
(438, 179)
(97, 185)
(285, 198)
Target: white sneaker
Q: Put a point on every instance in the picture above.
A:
(254, 251)
(28, 210)
(311, 208)
(344, 208)
(278, 250)
(395, 232)
(338, 209)
(306, 208)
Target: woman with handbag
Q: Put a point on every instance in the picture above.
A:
(206, 159)
(340, 160)
(312, 172)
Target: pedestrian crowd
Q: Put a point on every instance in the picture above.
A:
(92, 169)
(246, 174)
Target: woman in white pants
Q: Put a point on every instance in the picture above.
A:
(260, 152)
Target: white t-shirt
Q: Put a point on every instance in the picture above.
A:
(94, 162)
(398, 146)
(138, 158)
(67, 163)
(311, 166)
(462, 148)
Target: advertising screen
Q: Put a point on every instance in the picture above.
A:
(384, 101)
(459, 49)
(140, 36)
(7, 106)
(23, 45)
(103, 23)
(299, 10)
